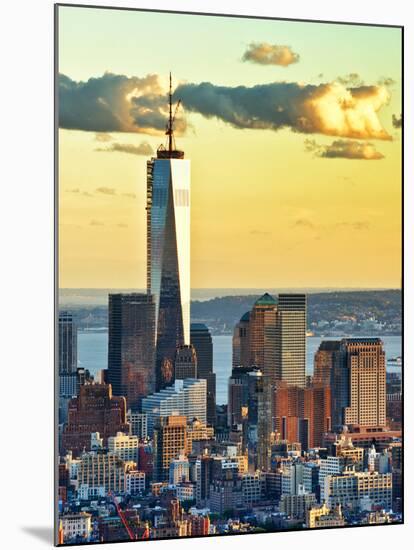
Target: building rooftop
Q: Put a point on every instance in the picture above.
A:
(198, 326)
(265, 300)
(246, 317)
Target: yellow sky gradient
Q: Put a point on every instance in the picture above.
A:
(265, 213)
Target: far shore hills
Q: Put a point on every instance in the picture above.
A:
(330, 311)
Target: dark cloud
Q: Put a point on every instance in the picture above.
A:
(96, 223)
(344, 149)
(129, 195)
(114, 103)
(386, 81)
(329, 109)
(75, 190)
(143, 148)
(106, 190)
(270, 54)
(351, 79)
(397, 121)
(122, 225)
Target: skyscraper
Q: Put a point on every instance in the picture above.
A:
(170, 441)
(302, 414)
(201, 340)
(365, 360)
(241, 342)
(358, 384)
(185, 363)
(324, 361)
(69, 374)
(262, 316)
(131, 346)
(291, 339)
(67, 344)
(94, 410)
(168, 250)
(186, 397)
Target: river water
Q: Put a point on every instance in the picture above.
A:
(93, 350)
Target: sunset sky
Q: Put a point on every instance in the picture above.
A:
(293, 131)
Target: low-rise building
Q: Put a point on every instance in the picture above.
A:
(76, 527)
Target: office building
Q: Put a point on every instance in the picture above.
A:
(125, 446)
(202, 341)
(302, 414)
(138, 423)
(322, 516)
(131, 346)
(70, 377)
(241, 349)
(290, 354)
(198, 431)
(170, 442)
(324, 362)
(135, 482)
(168, 251)
(357, 491)
(75, 527)
(67, 344)
(185, 365)
(179, 470)
(95, 409)
(186, 397)
(262, 322)
(296, 506)
(264, 423)
(367, 384)
(100, 472)
(253, 487)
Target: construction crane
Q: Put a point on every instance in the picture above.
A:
(131, 534)
(120, 513)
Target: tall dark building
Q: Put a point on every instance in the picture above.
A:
(203, 343)
(185, 363)
(68, 344)
(241, 349)
(69, 375)
(131, 346)
(324, 361)
(168, 251)
(290, 356)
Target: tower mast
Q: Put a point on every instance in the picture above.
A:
(170, 119)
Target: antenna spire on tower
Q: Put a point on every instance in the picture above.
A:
(170, 151)
(170, 118)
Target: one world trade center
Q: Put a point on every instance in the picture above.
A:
(168, 250)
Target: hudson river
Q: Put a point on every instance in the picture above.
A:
(93, 349)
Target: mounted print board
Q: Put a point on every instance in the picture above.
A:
(228, 275)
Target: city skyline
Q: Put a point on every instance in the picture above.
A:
(225, 420)
(239, 206)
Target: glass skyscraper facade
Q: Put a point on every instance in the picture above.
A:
(291, 339)
(67, 344)
(168, 256)
(131, 346)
